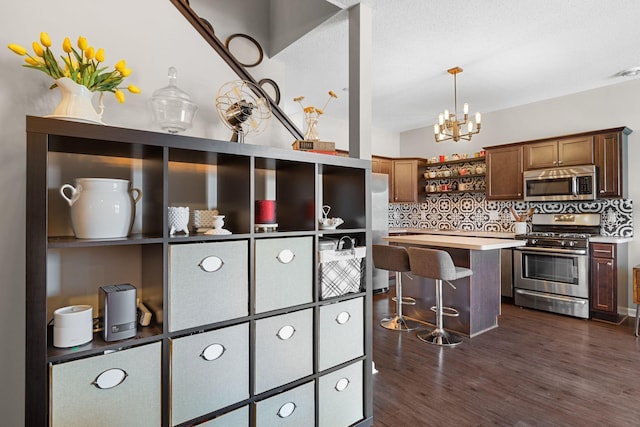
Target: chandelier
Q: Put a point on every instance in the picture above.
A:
(448, 126)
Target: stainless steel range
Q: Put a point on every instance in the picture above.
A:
(552, 271)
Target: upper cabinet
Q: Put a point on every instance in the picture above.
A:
(504, 173)
(405, 179)
(610, 158)
(559, 153)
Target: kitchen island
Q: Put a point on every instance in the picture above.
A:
(477, 298)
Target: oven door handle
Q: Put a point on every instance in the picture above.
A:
(549, 296)
(551, 250)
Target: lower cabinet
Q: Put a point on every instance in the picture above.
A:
(608, 281)
(340, 400)
(115, 389)
(209, 371)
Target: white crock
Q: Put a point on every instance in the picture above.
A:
(101, 208)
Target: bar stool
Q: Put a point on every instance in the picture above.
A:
(395, 259)
(438, 265)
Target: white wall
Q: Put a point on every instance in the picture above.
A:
(608, 107)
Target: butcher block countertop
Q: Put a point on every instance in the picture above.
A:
(458, 241)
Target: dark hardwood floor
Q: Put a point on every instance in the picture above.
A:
(535, 369)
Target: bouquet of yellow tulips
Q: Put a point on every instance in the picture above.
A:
(83, 66)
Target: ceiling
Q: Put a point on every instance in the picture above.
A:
(513, 52)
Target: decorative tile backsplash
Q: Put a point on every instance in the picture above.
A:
(472, 211)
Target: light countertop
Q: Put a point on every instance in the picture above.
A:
(495, 234)
(457, 241)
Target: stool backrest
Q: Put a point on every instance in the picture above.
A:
(391, 258)
(432, 263)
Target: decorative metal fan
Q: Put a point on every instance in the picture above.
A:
(243, 107)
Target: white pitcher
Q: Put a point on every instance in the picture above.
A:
(76, 102)
(101, 208)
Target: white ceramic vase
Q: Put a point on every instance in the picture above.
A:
(76, 102)
(101, 208)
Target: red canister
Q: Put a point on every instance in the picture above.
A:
(265, 211)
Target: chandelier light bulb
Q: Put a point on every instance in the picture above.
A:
(446, 114)
(436, 129)
(465, 108)
(440, 119)
(478, 117)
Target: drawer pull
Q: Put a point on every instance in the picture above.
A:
(286, 410)
(342, 384)
(213, 352)
(211, 264)
(110, 379)
(286, 256)
(286, 332)
(343, 317)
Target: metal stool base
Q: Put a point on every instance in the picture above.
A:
(440, 337)
(405, 300)
(397, 323)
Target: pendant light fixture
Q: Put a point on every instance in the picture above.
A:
(448, 126)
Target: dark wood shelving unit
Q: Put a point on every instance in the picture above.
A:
(176, 170)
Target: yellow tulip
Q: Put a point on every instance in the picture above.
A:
(100, 55)
(89, 53)
(125, 72)
(120, 96)
(133, 89)
(82, 43)
(32, 61)
(18, 49)
(38, 49)
(45, 40)
(121, 65)
(333, 94)
(66, 45)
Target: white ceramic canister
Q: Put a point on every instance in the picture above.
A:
(101, 208)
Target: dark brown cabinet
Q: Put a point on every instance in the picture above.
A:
(559, 153)
(610, 159)
(504, 173)
(405, 179)
(608, 281)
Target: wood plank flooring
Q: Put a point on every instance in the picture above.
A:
(535, 369)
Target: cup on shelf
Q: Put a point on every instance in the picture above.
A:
(463, 171)
(462, 186)
(178, 219)
(432, 174)
(444, 187)
(446, 173)
(479, 170)
(442, 158)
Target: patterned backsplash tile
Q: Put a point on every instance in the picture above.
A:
(471, 211)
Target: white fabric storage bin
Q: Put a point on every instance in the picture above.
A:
(236, 418)
(340, 397)
(208, 283)
(283, 349)
(116, 389)
(341, 332)
(293, 408)
(209, 371)
(283, 272)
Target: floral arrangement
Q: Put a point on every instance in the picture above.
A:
(312, 114)
(83, 67)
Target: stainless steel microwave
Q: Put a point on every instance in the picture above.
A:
(569, 183)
